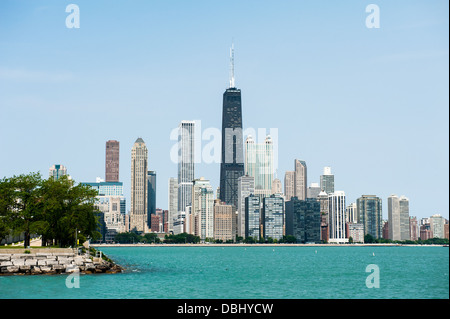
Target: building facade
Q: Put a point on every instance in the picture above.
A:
(369, 214)
(336, 218)
(232, 153)
(151, 196)
(186, 161)
(139, 169)
(173, 206)
(289, 185)
(56, 171)
(303, 220)
(201, 221)
(300, 179)
(272, 217)
(252, 217)
(112, 161)
(259, 164)
(327, 180)
(224, 222)
(246, 186)
(398, 217)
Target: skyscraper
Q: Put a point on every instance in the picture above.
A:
(224, 221)
(151, 196)
(398, 217)
(202, 213)
(252, 217)
(289, 178)
(173, 205)
(327, 180)
(313, 190)
(276, 187)
(56, 171)
(112, 161)
(336, 217)
(185, 163)
(232, 161)
(303, 219)
(300, 179)
(259, 164)
(139, 165)
(272, 217)
(246, 186)
(369, 214)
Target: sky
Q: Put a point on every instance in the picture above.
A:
(371, 103)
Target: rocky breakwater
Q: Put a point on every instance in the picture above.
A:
(53, 263)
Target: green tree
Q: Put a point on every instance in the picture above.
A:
(368, 239)
(25, 213)
(69, 211)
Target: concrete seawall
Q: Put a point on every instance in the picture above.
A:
(37, 263)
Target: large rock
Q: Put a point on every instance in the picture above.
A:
(18, 262)
(5, 257)
(30, 262)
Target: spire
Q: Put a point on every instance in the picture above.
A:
(232, 66)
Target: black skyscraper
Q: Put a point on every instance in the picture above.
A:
(232, 165)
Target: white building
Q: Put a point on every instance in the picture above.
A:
(336, 217)
(437, 223)
(398, 217)
(351, 213)
(202, 212)
(356, 232)
(259, 164)
(173, 204)
(186, 161)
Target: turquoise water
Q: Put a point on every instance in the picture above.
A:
(252, 273)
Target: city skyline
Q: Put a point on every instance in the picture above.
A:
(397, 100)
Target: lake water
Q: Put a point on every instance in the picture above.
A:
(251, 273)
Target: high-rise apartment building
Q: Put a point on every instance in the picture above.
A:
(232, 157)
(112, 161)
(336, 217)
(151, 196)
(351, 213)
(139, 169)
(414, 228)
(252, 217)
(369, 212)
(173, 206)
(272, 217)
(327, 180)
(322, 198)
(313, 190)
(202, 212)
(112, 205)
(56, 171)
(398, 218)
(259, 164)
(303, 219)
(246, 186)
(186, 152)
(224, 222)
(300, 179)
(277, 188)
(437, 223)
(289, 185)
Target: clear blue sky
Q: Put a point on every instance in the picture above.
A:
(371, 103)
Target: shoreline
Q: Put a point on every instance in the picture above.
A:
(98, 246)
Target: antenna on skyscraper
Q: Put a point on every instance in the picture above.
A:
(232, 66)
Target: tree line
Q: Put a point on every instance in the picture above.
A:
(58, 210)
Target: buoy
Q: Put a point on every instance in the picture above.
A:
(373, 254)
